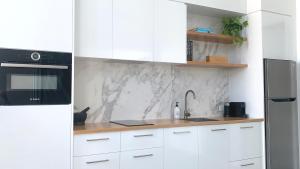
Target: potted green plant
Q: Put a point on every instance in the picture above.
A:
(233, 26)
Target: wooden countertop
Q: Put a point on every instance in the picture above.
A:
(109, 127)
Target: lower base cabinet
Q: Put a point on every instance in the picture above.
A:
(103, 161)
(247, 164)
(181, 148)
(142, 159)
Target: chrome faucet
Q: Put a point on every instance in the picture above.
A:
(187, 112)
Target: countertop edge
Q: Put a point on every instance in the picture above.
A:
(106, 127)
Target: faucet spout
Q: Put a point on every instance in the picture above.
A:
(187, 113)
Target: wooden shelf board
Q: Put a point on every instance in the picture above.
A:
(212, 65)
(209, 37)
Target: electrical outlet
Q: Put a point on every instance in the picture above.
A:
(220, 108)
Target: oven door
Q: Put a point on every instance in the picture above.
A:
(34, 84)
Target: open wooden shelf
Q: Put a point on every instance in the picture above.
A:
(210, 37)
(213, 65)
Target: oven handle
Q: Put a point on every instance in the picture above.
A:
(36, 66)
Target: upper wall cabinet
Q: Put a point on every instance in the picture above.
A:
(171, 24)
(278, 37)
(133, 29)
(286, 7)
(94, 28)
(236, 6)
(138, 30)
(38, 25)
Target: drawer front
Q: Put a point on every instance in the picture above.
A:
(134, 140)
(142, 159)
(90, 144)
(247, 164)
(105, 161)
(245, 141)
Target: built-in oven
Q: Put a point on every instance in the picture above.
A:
(35, 77)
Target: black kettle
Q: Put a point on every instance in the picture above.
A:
(80, 117)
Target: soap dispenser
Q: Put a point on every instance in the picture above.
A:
(176, 111)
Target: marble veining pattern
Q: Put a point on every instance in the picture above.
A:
(119, 91)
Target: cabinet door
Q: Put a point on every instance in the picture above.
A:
(214, 147)
(181, 148)
(170, 42)
(133, 29)
(278, 37)
(247, 164)
(245, 141)
(93, 31)
(104, 161)
(286, 7)
(142, 159)
(38, 25)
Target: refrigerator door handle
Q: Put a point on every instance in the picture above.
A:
(284, 100)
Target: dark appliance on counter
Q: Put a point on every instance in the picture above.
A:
(80, 117)
(235, 109)
(35, 77)
(281, 114)
(131, 123)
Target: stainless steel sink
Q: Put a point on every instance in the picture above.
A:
(199, 119)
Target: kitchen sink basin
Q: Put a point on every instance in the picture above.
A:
(199, 119)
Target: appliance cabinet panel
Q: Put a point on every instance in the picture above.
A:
(38, 25)
(104, 161)
(133, 140)
(93, 30)
(278, 37)
(181, 148)
(89, 144)
(245, 141)
(142, 159)
(170, 42)
(133, 29)
(214, 147)
(247, 164)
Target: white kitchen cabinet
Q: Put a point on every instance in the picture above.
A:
(237, 6)
(89, 144)
(104, 161)
(142, 159)
(37, 25)
(94, 28)
(278, 37)
(142, 139)
(133, 29)
(214, 147)
(247, 164)
(181, 148)
(285, 7)
(170, 32)
(245, 141)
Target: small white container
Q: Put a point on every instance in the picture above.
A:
(176, 111)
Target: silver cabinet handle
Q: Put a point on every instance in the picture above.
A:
(245, 165)
(142, 156)
(94, 162)
(181, 132)
(37, 66)
(247, 127)
(145, 135)
(218, 130)
(98, 139)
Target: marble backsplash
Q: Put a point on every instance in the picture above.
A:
(128, 90)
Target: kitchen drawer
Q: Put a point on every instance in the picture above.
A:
(142, 159)
(247, 164)
(245, 141)
(90, 144)
(104, 161)
(134, 140)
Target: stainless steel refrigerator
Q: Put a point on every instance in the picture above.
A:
(281, 114)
